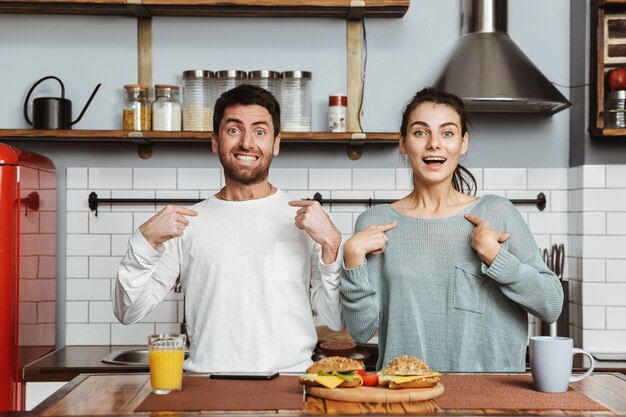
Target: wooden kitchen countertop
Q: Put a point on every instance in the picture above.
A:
(121, 394)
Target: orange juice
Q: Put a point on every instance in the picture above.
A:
(166, 369)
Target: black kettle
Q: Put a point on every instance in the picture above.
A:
(53, 112)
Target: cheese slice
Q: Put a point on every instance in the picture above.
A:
(329, 381)
(399, 379)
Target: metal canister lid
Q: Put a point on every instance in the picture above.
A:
(297, 74)
(263, 74)
(198, 74)
(164, 86)
(230, 74)
(616, 95)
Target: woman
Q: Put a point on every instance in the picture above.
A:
(441, 274)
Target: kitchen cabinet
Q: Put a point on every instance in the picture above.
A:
(608, 50)
(353, 11)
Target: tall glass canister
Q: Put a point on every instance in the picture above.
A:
(198, 100)
(137, 112)
(227, 80)
(269, 80)
(166, 109)
(296, 101)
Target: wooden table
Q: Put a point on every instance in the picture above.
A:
(120, 394)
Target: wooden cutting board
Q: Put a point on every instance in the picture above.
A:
(376, 394)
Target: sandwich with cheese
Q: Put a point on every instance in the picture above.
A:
(407, 371)
(333, 372)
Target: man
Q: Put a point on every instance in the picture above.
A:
(250, 275)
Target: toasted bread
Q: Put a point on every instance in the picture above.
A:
(406, 365)
(335, 364)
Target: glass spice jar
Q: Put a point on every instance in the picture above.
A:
(137, 113)
(198, 100)
(166, 109)
(295, 105)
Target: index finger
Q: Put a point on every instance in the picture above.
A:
(476, 220)
(302, 203)
(185, 211)
(386, 226)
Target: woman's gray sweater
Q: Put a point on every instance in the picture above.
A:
(431, 296)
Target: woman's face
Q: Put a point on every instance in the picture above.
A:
(433, 143)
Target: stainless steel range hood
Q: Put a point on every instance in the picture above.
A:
(490, 72)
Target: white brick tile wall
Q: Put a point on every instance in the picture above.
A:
(77, 311)
(404, 179)
(111, 223)
(148, 194)
(594, 317)
(586, 209)
(88, 334)
(616, 176)
(604, 340)
(103, 266)
(101, 312)
(593, 270)
(77, 266)
(330, 179)
(616, 318)
(343, 221)
(547, 178)
(558, 200)
(151, 178)
(76, 178)
(505, 179)
(289, 179)
(604, 199)
(373, 179)
(548, 223)
(594, 223)
(133, 334)
(198, 178)
(119, 244)
(88, 245)
(616, 270)
(167, 328)
(88, 289)
(594, 176)
(28, 312)
(110, 178)
(616, 223)
(77, 222)
(604, 247)
(603, 294)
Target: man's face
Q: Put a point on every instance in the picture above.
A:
(245, 143)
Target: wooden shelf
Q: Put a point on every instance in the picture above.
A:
(33, 135)
(345, 9)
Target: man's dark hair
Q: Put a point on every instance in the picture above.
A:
(246, 95)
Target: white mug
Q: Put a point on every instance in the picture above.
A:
(551, 360)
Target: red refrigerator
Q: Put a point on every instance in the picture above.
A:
(27, 266)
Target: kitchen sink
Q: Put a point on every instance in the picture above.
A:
(133, 357)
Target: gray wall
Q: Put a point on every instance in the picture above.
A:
(404, 55)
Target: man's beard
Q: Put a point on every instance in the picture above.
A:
(244, 175)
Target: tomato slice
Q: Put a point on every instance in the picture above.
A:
(361, 371)
(370, 380)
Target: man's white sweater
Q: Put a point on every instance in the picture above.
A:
(251, 280)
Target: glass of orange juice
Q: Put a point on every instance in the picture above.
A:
(167, 354)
